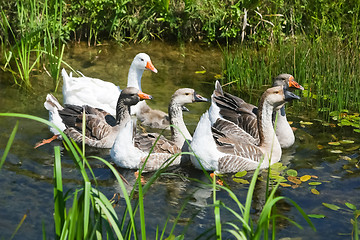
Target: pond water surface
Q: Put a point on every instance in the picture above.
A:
(26, 177)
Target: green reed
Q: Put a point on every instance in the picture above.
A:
(327, 68)
(34, 30)
(90, 214)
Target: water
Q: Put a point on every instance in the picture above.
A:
(26, 177)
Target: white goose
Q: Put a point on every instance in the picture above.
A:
(225, 147)
(101, 94)
(243, 114)
(101, 127)
(130, 150)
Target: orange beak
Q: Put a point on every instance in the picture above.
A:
(144, 96)
(151, 67)
(294, 84)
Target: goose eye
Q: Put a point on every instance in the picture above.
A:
(142, 59)
(187, 94)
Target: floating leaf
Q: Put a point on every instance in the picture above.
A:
(290, 122)
(350, 205)
(315, 183)
(357, 130)
(217, 76)
(240, 174)
(353, 148)
(295, 186)
(200, 72)
(305, 178)
(292, 172)
(334, 137)
(285, 185)
(320, 146)
(294, 180)
(346, 141)
(306, 123)
(349, 171)
(314, 191)
(334, 143)
(331, 206)
(346, 158)
(316, 215)
(336, 151)
(313, 176)
(240, 180)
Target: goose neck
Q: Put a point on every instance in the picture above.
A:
(134, 77)
(265, 126)
(179, 133)
(122, 114)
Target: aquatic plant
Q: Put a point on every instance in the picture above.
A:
(327, 69)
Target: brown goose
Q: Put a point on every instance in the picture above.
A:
(225, 147)
(131, 150)
(243, 114)
(101, 127)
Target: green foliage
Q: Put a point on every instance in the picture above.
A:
(327, 69)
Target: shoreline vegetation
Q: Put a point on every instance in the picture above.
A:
(317, 42)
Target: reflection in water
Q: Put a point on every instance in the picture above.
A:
(26, 177)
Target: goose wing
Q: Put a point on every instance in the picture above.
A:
(99, 123)
(239, 112)
(241, 151)
(146, 141)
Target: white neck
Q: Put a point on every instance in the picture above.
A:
(134, 77)
(284, 132)
(176, 119)
(268, 140)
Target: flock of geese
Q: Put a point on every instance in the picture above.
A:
(231, 136)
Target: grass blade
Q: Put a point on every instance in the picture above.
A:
(9, 143)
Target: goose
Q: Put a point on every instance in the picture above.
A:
(225, 147)
(101, 94)
(131, 150)
(101, 127)
(243, 114)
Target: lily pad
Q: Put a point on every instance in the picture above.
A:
(334, 143)
(306, 123)
(314, 191)
(316, 216)
(240, 174)
(331, 206)
(336, 151)
(240, 180)
(292, 172)
(285, 185)
(346, 141)
(294, 180)
(350, 205)
(305, 178)
(315, 183)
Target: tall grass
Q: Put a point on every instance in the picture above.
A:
(86, 213)
(31, 38)
(328, 70)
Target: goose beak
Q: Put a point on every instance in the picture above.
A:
(151, 67)
(144, 96)
(199, 98)
(289, 96)
(294, 84)
(185, 109)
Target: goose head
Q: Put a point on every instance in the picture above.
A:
(183, 96)
(128, 97)
(288, 80)
(142, 61)
(279, 95)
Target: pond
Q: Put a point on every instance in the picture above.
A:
(26, 177)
